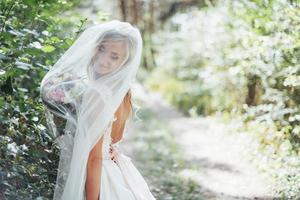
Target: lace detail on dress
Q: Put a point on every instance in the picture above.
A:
(107, 140)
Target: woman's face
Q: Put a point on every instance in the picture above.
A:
(110, 55)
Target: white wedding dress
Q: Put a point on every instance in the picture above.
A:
(120, 180)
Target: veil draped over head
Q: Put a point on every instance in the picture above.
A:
(83, 90)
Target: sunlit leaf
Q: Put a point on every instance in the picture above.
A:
(48, 48)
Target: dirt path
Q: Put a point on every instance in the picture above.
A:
(217, 158)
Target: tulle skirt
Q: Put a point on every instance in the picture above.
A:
(122, 181)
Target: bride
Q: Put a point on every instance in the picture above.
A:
(89, 87)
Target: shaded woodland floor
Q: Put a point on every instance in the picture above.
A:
(190, 158)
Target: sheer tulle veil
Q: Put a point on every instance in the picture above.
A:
(86, 99)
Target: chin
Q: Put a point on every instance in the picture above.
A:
(104, 73)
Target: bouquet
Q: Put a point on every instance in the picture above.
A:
(62, 95)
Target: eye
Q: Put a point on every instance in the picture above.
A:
(101, 48)
(114, 57)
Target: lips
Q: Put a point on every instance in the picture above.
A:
(105, 68)
(102, 66)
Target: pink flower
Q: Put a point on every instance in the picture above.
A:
(57, 94)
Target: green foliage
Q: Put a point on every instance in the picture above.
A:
(179, 93)
(276, 64)
(32, 39)
(240, 57)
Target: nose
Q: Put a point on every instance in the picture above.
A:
(105, 62)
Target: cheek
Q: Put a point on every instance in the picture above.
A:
(97, 68)
(97, 65)
(115, 64)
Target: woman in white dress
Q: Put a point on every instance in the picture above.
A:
(90, 87)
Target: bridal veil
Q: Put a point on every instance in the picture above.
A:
(74, 90)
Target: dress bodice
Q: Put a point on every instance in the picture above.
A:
(107, 140)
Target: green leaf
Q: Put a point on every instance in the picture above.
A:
(55, 39)
(48, 48)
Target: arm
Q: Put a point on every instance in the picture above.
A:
(94, 169)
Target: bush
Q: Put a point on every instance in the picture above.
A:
(32, 39)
